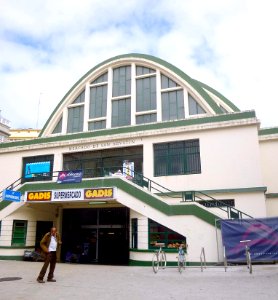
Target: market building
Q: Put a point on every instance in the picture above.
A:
(137, 152)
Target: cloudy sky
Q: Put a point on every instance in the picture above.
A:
(47, 45)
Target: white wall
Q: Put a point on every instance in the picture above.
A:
(230, 158)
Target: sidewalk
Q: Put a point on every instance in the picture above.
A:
(120, 283)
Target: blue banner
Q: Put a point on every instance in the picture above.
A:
(262, 233)
(70, 176)
(10, 195)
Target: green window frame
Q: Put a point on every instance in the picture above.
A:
(172, 105)
(177, 158)
(121, 112)
(19, 232)
(75, 119)
(161, 234)
(98, 101)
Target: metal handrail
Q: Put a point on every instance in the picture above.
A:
(143, 181)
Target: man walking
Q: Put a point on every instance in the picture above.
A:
(49, 244)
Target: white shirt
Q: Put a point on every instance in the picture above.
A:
(53, 244)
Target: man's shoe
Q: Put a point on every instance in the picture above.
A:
(40, 280)
(51, 280)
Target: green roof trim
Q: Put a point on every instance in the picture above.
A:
(268, 131)
(220, 96)
(133, 129)
(194, 83)
(272, 195)
(137, 192)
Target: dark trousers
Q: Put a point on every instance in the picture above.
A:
(50, 259)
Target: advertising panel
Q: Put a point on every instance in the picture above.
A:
(68, 195)
(99, 193)
(74, 176)
(10, 195)
(38, 196)
(262, 233)
(37, 168)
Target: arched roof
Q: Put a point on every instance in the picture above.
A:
(211, 101)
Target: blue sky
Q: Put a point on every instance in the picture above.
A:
(47, 45)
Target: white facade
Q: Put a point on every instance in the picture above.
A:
(237, 163)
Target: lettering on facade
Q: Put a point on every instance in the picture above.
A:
(106, 145)
(99, 193)
(39, 196)
(68, 195)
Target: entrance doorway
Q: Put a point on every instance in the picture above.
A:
(96, 235)
(42, 228)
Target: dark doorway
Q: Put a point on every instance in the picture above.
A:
(96, 235)
(42, 228)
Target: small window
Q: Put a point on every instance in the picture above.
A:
(58, 127)
(167, 83)
(80, 98)
(19, 233)
(140, 70)
(100, 79)
(121, 81)
(177, 158)
(121, 110)
(97, 125)
(75, 119)
(161, 234)
(146, 94)
(146, 118)
(134, 233)
(98, 101)
(194, 107)
(172, 105)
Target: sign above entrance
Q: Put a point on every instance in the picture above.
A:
(104, 193)
(68, 195)
(99, 193)
(40, 196)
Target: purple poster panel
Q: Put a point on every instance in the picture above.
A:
(262, 233)
(70, 176)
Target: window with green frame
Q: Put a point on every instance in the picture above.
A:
(177, 158)
(19, 233)
(161, 234)
(0, 227)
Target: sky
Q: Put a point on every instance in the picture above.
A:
(46, 46)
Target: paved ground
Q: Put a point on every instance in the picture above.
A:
(114, 282)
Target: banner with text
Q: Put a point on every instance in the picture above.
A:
(262, 235)
(70, 176)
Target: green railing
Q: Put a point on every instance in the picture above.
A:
(143, 181)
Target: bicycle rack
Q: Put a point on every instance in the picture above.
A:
(203, 259)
